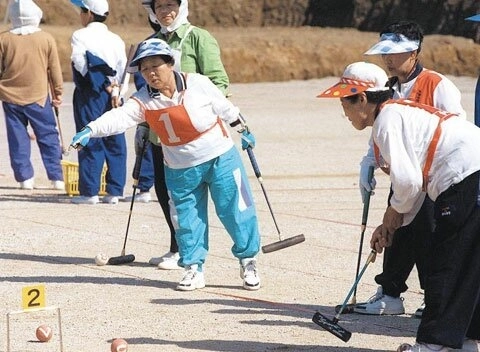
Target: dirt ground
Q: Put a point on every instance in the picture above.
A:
(308, 155)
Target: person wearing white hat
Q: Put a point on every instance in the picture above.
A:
(476, 18)
(98, 63)
(189, 114)
(195, 50)
(428, 152)
(399, 46)
(29, 65)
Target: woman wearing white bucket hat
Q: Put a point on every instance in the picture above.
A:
(195, 51)
(189, 114)
(29, 63)
(427, 151)
(400, 44)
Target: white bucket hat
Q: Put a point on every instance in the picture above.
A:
(98, 7)
(358, 77)
(393, 43)
(25, 16)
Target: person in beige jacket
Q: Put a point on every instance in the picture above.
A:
(29, 67)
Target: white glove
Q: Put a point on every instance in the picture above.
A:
(367, 184)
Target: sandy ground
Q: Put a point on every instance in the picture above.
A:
(308, 155)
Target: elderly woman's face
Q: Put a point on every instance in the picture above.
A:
(354, 112)
(166, 11)
(156, 72)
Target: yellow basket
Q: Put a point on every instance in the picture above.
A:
(70, 177)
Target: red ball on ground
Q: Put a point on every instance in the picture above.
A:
(119, 345)
(44, 333)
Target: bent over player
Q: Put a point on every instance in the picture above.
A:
(427, 152)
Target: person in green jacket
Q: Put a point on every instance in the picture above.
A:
(196, 51)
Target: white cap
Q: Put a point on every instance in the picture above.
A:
(393, 43)
(98, 7)
(358, 77)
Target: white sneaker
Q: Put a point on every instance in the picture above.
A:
(422, 347)
(419, 311)
(142, 197)
(85, 200)
(249, 274)
(58, 185)
(168, 261)
(27, 184)
(192, 279)
(381, 304)
(470, 345)
(111, 199)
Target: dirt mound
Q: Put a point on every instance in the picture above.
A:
(260, 51)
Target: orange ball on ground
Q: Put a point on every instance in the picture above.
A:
(119, 345)
(44, 333)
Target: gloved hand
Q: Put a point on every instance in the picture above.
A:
(248, 139)
(141, 135)
(366, 182)
(82, 138)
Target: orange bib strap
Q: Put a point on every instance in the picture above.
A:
(432, 147)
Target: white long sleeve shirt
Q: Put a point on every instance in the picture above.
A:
(403, 134)
(435, 90)
(204, 103)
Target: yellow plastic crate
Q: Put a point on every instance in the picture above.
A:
(70, 177)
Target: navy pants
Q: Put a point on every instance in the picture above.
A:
(162, 192)
(408, 249)
(43, 123)
(452, 286)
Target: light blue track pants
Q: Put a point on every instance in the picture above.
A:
(227, 181)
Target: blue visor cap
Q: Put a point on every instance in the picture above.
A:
(149, 47)
(475, 18)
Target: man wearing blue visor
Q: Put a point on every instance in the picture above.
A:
(400, 44)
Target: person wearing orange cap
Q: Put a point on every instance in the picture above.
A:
(427, 152)
(399, 46)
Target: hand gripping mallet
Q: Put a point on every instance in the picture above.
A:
(282, 243)
(124, 259)
(332, 325)
(366, 205)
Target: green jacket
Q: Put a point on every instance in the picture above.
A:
(200, 54)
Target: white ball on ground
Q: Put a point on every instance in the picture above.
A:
(101, 259)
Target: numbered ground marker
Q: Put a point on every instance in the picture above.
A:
(34, 309)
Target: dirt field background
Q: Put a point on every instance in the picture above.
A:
(271, 54)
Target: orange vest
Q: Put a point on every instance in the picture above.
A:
(432, 147)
